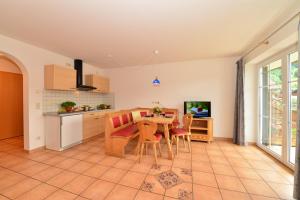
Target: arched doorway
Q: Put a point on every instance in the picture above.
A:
(14, 99)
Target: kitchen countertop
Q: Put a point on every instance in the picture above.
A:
(74, 113)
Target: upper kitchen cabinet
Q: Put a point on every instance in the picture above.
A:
(100, 82)
(59, 78)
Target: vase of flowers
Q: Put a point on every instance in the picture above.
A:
(156, 111)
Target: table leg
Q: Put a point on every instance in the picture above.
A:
(167, 137)
(138, 146)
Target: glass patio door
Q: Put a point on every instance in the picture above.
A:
(271, 105)
(278, 88)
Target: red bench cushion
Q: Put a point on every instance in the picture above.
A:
(124, 118)
(126, 132)
(116, 121)
(143, 113)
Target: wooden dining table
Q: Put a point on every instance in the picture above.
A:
(165, 122)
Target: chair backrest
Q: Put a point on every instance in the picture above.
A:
(138, 113)
(172, 111)
(187, 122)
(147, 130)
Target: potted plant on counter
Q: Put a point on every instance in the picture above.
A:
(68, 105)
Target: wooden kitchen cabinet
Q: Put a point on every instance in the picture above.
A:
(59, 78)
(100, 82)
(93, 124)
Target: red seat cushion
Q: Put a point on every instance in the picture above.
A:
(124, 118)
(126, 132)
(178, 131)
(176, 123)
(158, 136)
(143, 113)
(116, 121)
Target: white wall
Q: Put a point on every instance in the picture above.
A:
(251, 102)
(33, 59)
(207, 80)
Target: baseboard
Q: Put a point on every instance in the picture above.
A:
(222, 139)
(251, 143)
(230, 140)
(36, 149)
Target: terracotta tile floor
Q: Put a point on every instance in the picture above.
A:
(214, 171)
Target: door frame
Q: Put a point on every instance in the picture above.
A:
(25, 96)
(283, 55)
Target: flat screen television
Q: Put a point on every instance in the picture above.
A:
(198, 108)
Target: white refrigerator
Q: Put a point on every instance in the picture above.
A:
(63, 131)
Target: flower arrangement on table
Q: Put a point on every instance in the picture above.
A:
(157, 110)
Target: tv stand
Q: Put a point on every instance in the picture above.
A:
(202, 129)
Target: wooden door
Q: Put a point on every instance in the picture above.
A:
(11, 105)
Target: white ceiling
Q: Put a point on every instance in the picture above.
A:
(120, 33)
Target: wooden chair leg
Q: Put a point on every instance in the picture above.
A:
(141, 152)
(138, 148)
(155, 153)
(189, 142)
(177, 144)
(159, 150)
(146, 149)
(172, 139)
(183, 137)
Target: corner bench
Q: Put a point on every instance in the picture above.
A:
(119, 130)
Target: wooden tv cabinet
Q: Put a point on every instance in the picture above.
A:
(202, 129)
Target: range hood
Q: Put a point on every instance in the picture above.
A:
(79, 79)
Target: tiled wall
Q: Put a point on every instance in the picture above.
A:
(52, 99)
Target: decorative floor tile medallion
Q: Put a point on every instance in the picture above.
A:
(184, 194)
(147, 186)
(168, 179)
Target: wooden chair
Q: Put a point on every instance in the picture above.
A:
(148, 135)
(172, 111)
(184, 132)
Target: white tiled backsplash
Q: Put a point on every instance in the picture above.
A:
(52, 99)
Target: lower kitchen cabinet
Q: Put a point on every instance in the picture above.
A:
(93, 124)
